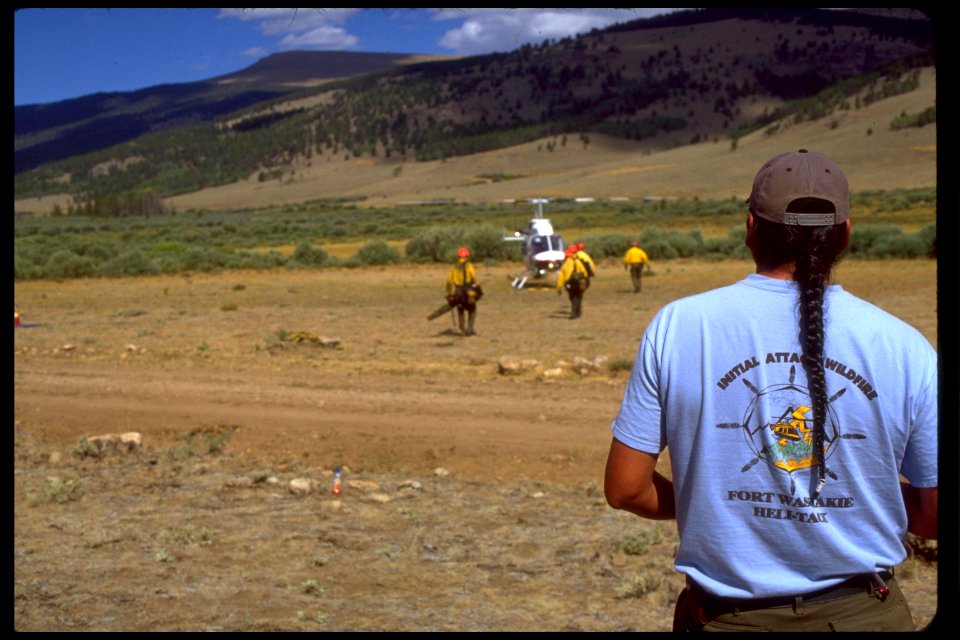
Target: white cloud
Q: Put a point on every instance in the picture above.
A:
(301, 28)
(323, 37)
(479, 31)
(487, 30)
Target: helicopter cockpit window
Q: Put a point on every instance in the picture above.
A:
(556, 243)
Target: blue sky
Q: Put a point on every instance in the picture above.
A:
(67, 53)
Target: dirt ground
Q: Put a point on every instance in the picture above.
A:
(472, 497)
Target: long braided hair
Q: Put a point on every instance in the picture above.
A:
(813, 251)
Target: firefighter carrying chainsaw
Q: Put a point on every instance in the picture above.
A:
(463, 293)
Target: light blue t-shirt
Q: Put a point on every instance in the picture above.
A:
(718, 380)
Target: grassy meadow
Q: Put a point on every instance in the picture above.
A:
(890, 224)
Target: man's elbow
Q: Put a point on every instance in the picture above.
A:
(639, 503)
(616, 498)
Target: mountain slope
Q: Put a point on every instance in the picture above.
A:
(873, 156)
(48, 132)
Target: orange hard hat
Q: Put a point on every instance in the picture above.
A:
(463, 252)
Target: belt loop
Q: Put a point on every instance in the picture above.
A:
(798, 605)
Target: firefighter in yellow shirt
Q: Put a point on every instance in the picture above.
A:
(587, 261)
(635, 260)
(573, 277)
(463, 291)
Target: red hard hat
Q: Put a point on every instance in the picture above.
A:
(580, 246)
(463, 253)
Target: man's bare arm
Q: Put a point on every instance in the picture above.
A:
(632, 483)
(921, 507)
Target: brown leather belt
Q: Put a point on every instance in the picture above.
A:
(858, 585)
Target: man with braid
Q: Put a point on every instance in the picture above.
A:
(790, 408)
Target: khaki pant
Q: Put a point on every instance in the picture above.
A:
(470, 311)
(862, 612)
(575, 289)
(635, 276)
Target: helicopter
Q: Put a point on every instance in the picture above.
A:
(542, 249)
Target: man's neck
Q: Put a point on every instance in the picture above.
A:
(783, 272)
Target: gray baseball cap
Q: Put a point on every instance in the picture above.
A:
(800, 174)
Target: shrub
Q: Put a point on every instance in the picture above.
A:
(638, 544)
(671, 244)
(129, 263)
(214, 440)
(307, 255)
(904, 120)
(57, 490)
(24, 269)
(440, 244)
(205, 259)
(169, 247)
(97, 250)
(659, 249)
(487, 243)
(889, 241)
(928, 235)
(719, 246)
(169, 263)
(730, 247)
(378, 252)
(640, 584)
(608, 245)
(67, 264)
(898, 246)
(863, 236)
(687, 244)
(437, 244)
(267, 260)
(313, 588)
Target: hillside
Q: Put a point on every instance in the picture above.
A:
(310, 68)
(46, 133)
(872, 155)
(611, 168)
(693, 85)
